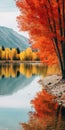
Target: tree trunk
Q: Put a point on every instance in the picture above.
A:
(63, 74)
(63, 58)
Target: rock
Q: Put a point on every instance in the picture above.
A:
(55, 86)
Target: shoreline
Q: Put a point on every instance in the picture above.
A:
(55, 86)
(19, 61)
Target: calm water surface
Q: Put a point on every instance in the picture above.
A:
(22, 99)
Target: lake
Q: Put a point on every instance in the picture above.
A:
(23, 99)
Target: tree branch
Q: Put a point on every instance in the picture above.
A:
(55, 41)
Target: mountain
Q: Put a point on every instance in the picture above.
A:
(11, 39)
(10, 85)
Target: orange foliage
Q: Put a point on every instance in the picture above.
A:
(44, 20)
(44, 104)
(46, 51)
(53, 123)
(46, 115)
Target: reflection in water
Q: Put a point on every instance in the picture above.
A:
(14, 77)
(9, 70)
(28, 70)
(14, 107)
(48, 114)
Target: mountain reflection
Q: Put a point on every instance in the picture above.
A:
(28, 70)
(48, 114)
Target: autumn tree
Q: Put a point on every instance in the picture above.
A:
(28, 54)
(45, 20)
(22, 55)
(3, 55)
(7, 50)
(13, 53)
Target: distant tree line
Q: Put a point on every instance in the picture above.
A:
(15, 54)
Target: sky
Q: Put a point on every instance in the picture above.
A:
(8, 6)
(8, 14)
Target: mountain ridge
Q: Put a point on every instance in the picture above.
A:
(12, 39)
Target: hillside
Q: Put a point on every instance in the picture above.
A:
(12, 39)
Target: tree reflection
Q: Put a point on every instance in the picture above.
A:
(48, 114)
(44, 104)
(28, 70)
